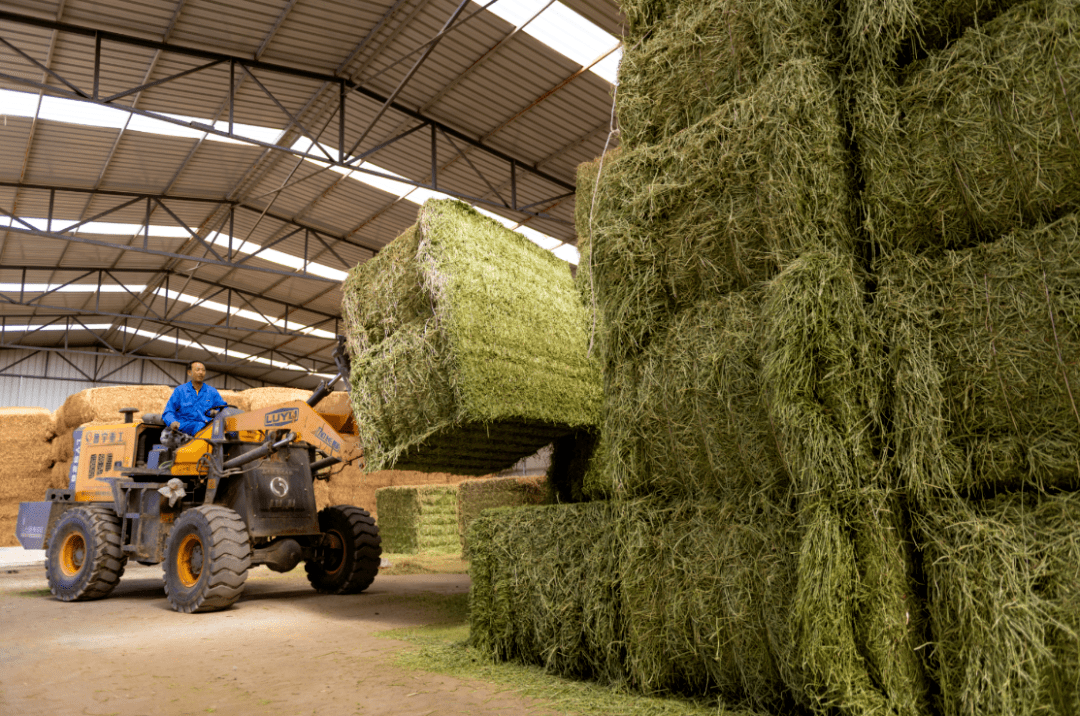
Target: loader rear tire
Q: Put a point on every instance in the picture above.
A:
(84, 560)
(349, 557)
(206, 560)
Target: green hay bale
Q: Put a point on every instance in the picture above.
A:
(698, 582)
(418, 519)
(474, 496)
(983, 349)
(531, 579)
(642, 15)
(978, 139)
(699, 417)
(756, 395)
(754, 605)
(468, 347)
(823, 365)
(883, 35)
(855, 620)
(1004, 579)
(722, 205)
(706, 53)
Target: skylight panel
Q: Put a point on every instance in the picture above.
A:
(568, 253)
(418, 195)
(564, 31)
(88, 114)
(70, 288)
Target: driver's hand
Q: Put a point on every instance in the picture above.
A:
(174, 425)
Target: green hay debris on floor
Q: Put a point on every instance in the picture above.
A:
(1004, 580)
(418, 519)
(475, 496)
(698, 597)
(978, 139)
(983, 345)
(707, 53)
(468, 347)
(722, 205)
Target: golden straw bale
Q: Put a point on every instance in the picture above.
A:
(259, 398)
(104, 404)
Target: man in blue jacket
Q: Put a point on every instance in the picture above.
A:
(187, 406)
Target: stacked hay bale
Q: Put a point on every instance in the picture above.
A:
(419, 519)
(259, 398)
(755, 548)
(25, 464)
(969, 156)
(475, 496)
(100, 405)
(748, 372)
(468, 347)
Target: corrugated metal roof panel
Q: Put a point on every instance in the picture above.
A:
(563, 129)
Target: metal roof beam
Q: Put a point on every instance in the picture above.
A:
(159, 272)
(260, 65)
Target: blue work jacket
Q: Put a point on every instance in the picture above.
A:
(189, 408)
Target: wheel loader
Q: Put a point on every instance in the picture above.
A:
(238, 493)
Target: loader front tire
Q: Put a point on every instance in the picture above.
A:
(348, 559)
(83, 560)
(206, 560)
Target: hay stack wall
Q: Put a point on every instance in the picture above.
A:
(742, 381)
(695, 596)
(468, 347)
(25, 464)
(419, 519)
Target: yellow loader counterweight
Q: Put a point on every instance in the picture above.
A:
(238, 493)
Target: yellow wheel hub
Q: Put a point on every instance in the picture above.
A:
(189, 560)
(72, 554)
(334, 558)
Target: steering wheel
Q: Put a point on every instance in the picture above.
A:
(212, 411)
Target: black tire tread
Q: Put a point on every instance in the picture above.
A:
(367, 551)
(107, 560)
(229, 561)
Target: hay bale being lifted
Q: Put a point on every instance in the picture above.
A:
(724, 204)
(978, 139)
(984, 346)
(419, 518)
(1004, 578)
(468, 347)
(706, 53)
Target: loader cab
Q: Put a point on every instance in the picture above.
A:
(149, 436)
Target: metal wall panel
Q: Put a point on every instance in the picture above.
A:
(46, 382)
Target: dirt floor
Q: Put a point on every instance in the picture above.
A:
(282, 649)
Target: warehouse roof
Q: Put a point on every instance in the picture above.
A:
(184, 178)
